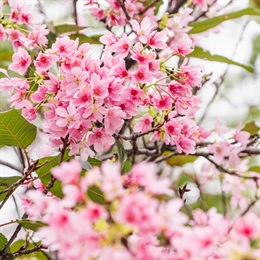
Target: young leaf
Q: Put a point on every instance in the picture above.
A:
(205, 25)
(45, 174)
(6, 182)
(28, 224)
(16, 246)
(94, 162)
(96, 195)
(68, 28)
(179, 160)
(94, 39)
(203, 54)
(15, 130)
(251, 128)
(52, 161)
(3, 241)
(254, 169)
(120, 152)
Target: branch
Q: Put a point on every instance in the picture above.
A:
(75, 11)
(24, 252)
(122, 5)
(219, 167)
(148, 7)
(65, 142)
(177, 6)
(13, 237)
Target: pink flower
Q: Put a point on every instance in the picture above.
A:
(163, 102)
(108, 39)
(142, 75)
(139, 211)
(247, 226)
(97, 12)
(185, 145)
(112, 182)
(2, 33)
(178, 90)
(241, 137)
(157, 40)
(67, 172)
(43, 61)
(64, 47)
(114, 120)
(21, 61)
(37, 37)
(173, 128)
(144, 124)
(190, 75)
(144, 175)
(122, 46)
(171, 215)
(82, 149)
(100, 139)
(99, 88)
(67, 117)
(141, 55)
(28, 110)
(183, 47)
(220, 150)
(95, 111)
(142, 30)
(201, 3)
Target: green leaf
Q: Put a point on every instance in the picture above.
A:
(254, 169)
(3, 241)
(156, 5)
(254, 4)
(94, 162)
(44, 172)
(206, 55)
(205, 25)
(51, 162)
(6, 182)
(29, 224)
(183, 179)
(17, 245)
(127, 166)
(251, 128)
(179, 160)
(15, 130)
(68, 28)
(120, 152)
(6, 55)
(96, 195)
(86, 39)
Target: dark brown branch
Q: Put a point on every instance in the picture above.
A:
(177, 6)
(75, 12)
(13, 237)
(122, 5)
(23, 252)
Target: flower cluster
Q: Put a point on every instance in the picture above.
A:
(134, 216)
(89, 100)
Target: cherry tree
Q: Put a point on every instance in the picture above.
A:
(103, 142)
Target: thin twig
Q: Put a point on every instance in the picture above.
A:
(148, 6)
(75, 12)
(13, 237)
(24, 252)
